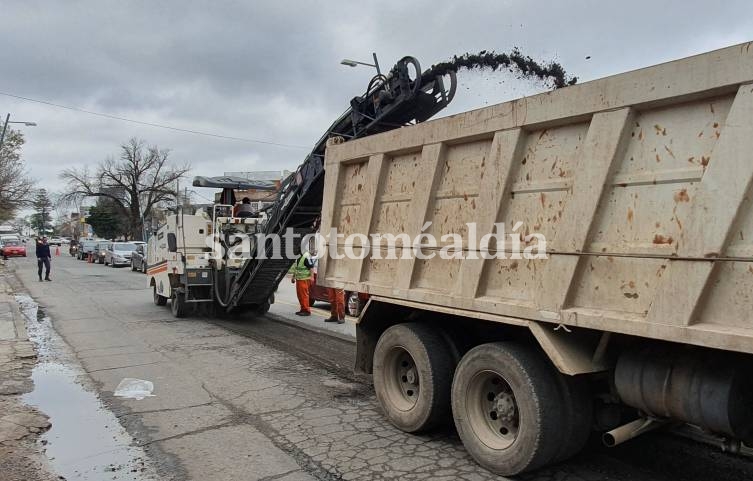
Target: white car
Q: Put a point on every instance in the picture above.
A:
(119, 254)
(7, 237)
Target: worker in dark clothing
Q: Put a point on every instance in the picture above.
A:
(244, 209)
(43, 259)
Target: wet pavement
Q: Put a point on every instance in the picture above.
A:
(86, 441)
(21, 457)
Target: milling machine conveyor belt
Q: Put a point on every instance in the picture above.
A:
(402, 97)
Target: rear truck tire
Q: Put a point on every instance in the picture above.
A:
(178, 304)
(413, 376)
(578, 400)
(353, 305)
(508, 408)
(158, 299)
(311, 301)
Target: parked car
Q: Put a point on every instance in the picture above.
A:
(13, 248)
(119, 253)
(55, 241)
(5, 237)
(138, 258)
(354, 301)
(100, 251)
(86, 247)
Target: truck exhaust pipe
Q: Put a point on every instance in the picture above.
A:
(629, 431)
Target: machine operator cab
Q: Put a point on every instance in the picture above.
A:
(235, 223)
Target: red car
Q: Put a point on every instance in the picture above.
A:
(13, 248)
(354, 301)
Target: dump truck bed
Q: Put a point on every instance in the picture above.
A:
(640, 183)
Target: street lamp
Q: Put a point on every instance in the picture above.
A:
(5, 127)
(355, 63)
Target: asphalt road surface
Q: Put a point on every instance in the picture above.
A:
(269, 399)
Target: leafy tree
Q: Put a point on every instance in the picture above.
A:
(140, 179)
(41, 220)
(15, 185)
(105, 220)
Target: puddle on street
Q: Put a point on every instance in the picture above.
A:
(86, 441)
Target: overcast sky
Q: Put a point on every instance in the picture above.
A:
(270, 70)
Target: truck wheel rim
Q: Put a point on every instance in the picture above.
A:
(492, 410)
(402, 380)
(353, 305)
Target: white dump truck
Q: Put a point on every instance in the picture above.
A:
(640, 184)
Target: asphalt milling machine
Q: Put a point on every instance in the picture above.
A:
(404, 96)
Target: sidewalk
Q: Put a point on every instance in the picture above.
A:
(286, 304)
(20, 425)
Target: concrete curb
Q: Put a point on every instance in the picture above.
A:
(308, 327)
(9, 310)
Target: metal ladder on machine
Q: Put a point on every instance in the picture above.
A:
(402, 97)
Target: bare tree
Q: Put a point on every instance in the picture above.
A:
(139, 180)
(15, 185)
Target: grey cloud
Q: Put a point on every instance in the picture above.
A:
(270, 69)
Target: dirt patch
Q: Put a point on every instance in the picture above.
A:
(550, 72)
(20, 458)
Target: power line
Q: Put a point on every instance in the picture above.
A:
(151, 124)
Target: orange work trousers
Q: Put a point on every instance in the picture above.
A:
(302, 291)
(337, 303)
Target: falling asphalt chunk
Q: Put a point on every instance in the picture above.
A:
(514, 61)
